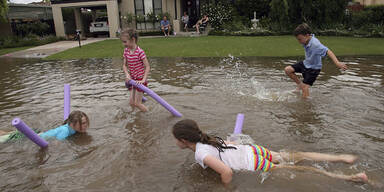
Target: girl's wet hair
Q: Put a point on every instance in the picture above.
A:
(302, 29)
(75, 117)
(188, 130)
(130, 34)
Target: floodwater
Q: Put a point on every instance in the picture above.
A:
(134, 151)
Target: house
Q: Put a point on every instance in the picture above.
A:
(116, 10)
(370, 2)
(22, 13)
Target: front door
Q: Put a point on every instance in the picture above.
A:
(192, 7)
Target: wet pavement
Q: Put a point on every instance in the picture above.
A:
(50, 49)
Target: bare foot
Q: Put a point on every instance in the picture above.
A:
(298, 89)
(360, 177)
(348, 158)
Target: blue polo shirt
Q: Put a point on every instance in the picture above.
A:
(164, 23)
(314, 51)
(59, 133)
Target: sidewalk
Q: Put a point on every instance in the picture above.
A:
(50, 49)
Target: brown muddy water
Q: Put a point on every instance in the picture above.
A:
(134, 151)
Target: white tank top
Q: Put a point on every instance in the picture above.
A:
(240, 158)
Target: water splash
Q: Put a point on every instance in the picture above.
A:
(240, 81)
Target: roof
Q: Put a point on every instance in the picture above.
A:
(29, 11)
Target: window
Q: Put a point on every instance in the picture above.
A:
(157, 8)
(143, 7)
(139, 7)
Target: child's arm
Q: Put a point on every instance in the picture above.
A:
(127, 76)
(217, 165)
(340, 65)
(146, 72)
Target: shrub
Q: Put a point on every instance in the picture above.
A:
(218, 13)
(29, 40)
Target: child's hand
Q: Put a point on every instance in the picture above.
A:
(127, 78)
(342, 65)
(140, 82)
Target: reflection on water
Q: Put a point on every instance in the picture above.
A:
(134, 151)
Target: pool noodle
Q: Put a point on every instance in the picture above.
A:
(67, 100)
(156, 97)
(239, 123)
(23, 128)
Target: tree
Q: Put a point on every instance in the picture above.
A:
(279, 14)
(3, 10)
(246, 8)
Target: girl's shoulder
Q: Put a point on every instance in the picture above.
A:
(139, 49)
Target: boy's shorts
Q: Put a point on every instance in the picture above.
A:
(129, 86)
(309, 74)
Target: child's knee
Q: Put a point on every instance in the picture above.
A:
(289, 69)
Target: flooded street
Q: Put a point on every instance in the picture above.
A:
(134, 151)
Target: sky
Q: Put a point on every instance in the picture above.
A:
(24, 1)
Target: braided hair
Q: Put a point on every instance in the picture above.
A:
(188, 130)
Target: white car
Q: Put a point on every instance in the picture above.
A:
(100, 26)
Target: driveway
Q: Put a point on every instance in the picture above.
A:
(50, 49)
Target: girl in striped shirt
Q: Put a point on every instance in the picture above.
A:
(222, 156)
(135, 66)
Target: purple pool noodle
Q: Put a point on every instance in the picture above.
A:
(67, 100)
(23, 128)
(144, 98)
(239, 123)
(156, 97)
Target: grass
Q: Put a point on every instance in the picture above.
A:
(10, 50)
(221, 46)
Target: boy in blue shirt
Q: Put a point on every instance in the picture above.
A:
(310, 68)
(165, 26)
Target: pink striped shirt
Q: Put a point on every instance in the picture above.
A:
(135, 63)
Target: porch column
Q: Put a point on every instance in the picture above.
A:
(113, 17)
(58, 20)
(79, 21)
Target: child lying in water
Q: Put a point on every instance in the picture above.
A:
(222, 156)
(77, 122)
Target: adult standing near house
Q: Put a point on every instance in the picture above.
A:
(185, 19)
(165, 26)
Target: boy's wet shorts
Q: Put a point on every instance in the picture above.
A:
(309, 74)
(129, 86)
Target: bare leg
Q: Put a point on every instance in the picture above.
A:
(5, 132)
(138, 101)
(299, 156)
(291, 73)
(162, 28)
(305, 89)
(360, 177)
(132, 98)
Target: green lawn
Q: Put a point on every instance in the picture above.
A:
(220, 46)
(10, 50)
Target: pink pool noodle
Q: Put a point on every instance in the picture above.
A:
(156, 97)
(67, 100)
(239, 123)
(28, 132)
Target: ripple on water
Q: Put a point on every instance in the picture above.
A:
(127, 149)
